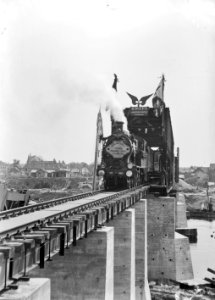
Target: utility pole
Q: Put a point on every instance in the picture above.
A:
(99, 133)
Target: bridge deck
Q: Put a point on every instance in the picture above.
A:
(13, 224)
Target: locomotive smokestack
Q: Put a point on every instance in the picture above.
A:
(116, 126)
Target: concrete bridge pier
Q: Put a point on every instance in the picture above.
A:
(141, 280)
(124, 255)
(168, 251)
(85, 272)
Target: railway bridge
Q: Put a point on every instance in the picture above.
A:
(104, 245)
(98, 245)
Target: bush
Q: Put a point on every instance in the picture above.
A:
(42, 185)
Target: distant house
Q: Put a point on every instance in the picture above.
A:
(62, 173)
(39, 173)
(4, 168)
(32, 163)
(185, 170)
(85, 171)
(50, 173)
(75, 172)
(36, 167)
(36, 163)
(202, 174)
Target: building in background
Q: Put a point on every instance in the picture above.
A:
(75, 172)
(38, 168)
(4, 167)
(85, 171)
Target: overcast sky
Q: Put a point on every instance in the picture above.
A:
(57, 60)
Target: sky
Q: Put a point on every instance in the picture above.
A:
(58, 57)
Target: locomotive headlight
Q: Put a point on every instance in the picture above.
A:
(130, 165)
(101, 172)
(129, 173)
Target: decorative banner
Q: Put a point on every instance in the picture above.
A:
(118, 149)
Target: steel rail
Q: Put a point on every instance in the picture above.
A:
(43, 205)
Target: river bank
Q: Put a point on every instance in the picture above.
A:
(203, 257)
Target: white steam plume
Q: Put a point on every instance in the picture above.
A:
(87, 88)
(52, 63)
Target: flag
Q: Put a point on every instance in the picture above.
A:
(116, 80)
(158, 97)
(99, 124)
(98, 146)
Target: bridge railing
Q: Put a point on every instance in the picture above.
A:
(11, 213)
(36, 220)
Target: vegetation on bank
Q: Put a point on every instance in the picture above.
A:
(46, 183)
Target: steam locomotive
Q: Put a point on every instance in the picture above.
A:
(122, 160)
(145, 155)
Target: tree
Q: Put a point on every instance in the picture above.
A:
(16, 163)
(15, 166)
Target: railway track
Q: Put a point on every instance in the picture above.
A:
(25, 218)
(43, 205)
